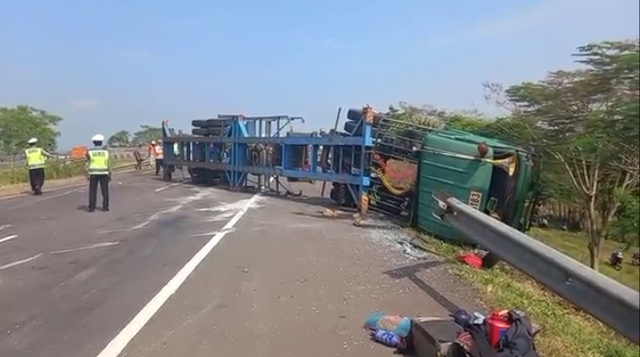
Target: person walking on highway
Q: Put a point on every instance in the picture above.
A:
(159, 157)
(99, 172)
(137, 154)
(35, 159)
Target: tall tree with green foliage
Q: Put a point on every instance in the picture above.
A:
(582, 119)
(425, 116)
(627, 222)
(146, 134)
(120, 138)
(19, 124)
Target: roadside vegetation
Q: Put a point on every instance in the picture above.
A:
(55, 169)
(19, 124)
(566, 331)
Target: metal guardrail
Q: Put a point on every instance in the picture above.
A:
(17, 160)
(607, 300)
(117, 152)
(129, 166)
(124, 167)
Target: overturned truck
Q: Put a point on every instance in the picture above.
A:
(410, 163)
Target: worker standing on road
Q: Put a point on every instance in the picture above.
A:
(152, 153)
(99, 170)
(35, 158)
(137, 154)
(159, 157)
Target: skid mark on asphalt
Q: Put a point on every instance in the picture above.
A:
(182, 201)
(20, 262)
(8, 238)
(47, 197)
(86, 247)
(76, 249)
(160, 189)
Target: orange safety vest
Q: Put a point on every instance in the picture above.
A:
(159, 152)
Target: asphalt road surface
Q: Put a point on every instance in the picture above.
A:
(176, 270)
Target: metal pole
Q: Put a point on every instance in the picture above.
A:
(335, 127)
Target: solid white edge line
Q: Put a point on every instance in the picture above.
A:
(8, 238)
(122, 339)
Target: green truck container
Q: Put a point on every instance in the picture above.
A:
(500, 183)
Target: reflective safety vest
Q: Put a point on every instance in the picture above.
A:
(98, 162)
(35, 158)
(159, 152)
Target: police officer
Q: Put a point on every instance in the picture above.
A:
(35, 160)
(99, 170)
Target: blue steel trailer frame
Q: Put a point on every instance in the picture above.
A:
(227, 156)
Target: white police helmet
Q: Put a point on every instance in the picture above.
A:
(97, 137)
(32, 141)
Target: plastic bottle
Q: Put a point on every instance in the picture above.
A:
(497, 324)
(386, 338)
(478, 318)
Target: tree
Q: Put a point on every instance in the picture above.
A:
(627, 223)
(146, 134)
(425, 116)
(19, 124)
(120, 138)
(582, 119)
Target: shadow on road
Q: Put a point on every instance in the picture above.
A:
(409, 272)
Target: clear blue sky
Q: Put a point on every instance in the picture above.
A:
(110, 65)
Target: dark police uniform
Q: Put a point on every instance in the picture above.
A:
(99, 174)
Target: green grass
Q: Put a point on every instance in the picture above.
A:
(566, 332)
(54, 170)
(575, 246)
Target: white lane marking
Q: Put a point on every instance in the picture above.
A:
(117, 345)
(227, 210)
(212, 233)
(86, 247)
(4, 226)
(11, 265)
(166, 187)
(8, 238)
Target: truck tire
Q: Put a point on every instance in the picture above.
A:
(199, 131)
(350, 126)
(356, 115)
(199, 123)
(215, 131)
